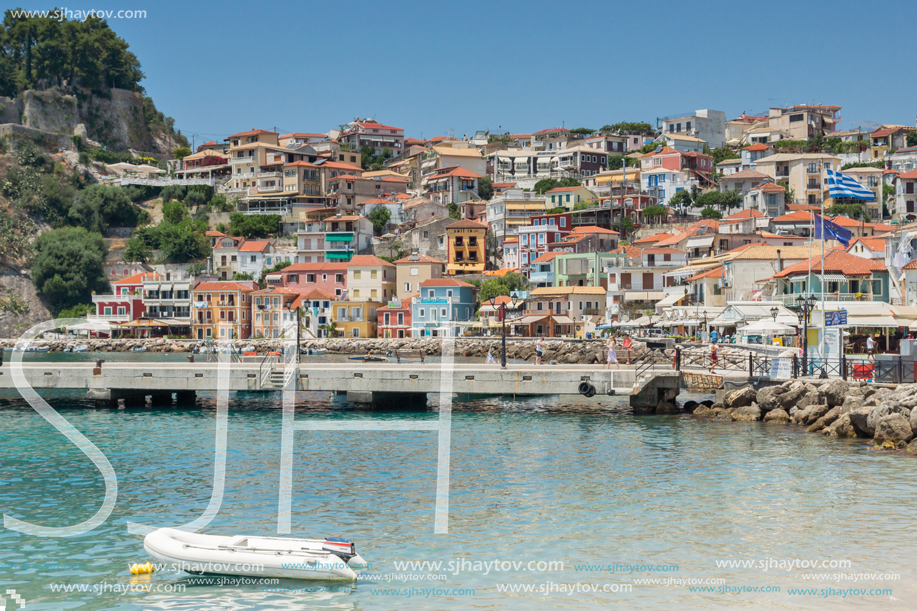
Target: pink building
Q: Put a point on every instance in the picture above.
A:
(125, 303)
(305, 277)
(544, 229)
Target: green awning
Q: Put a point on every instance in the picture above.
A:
(346, 256)
(340, 237)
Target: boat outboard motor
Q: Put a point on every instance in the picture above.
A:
(345, 550)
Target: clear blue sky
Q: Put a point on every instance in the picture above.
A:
(431, 67)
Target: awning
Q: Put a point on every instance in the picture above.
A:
(871, 321)
(143, 323)
(339, 255)
(96, 327)
(562, 320)
(670, 301)
(643, 296)
(525, 320)
(340, 237)
(704, 242)
(832, 278)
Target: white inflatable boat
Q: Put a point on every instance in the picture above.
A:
(281, 557)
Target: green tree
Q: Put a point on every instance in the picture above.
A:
(454, 211)
(98, 207)
(184, 241)
(911, 138)
(493, 287)
(626, 127)
(624, 226)
(181, 152)
(546, 184)
(218, 203)
(68, 266)
(655, 212)
(379, 216)
(173, 193)
(137, 250)
(721, 154)
(77, 311)
(485, 187)
(682, 198)
(649, 147)
(195, 199)
(556, 210)
(789, 192)
(582, 131)
(196, 269)
(253, 225)
(719, 199)
(174, 213)
(850, 210)
(710, 213)
(243, 276)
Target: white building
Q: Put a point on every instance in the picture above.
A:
(708, 125)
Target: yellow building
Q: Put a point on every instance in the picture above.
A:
(355, 319)
(466, 246)
(370, 278)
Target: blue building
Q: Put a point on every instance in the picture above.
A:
(442, 303)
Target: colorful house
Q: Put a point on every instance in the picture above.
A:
(442, 303)
(370, 278)
(271, 311)
(222, 310)
(394, 319)
(414, 269)
(466, 246)
(125, 303)
(355, 319)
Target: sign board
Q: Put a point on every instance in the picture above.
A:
(781, 368)
(836, 318)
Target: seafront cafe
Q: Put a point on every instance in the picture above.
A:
(887, 324)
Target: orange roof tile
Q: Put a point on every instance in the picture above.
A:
(546, 257)
(444, 282)
(223, 286)
(139, 278)
(467, 224)
(254, 246)
(368, 261)
(873, 244)
(252, 132)
(716, 272)
(836, 262)
(418, 258)
(758, 147)
(314, 267)
(591, 229)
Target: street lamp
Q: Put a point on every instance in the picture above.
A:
(804, 308)
(704, 330)
(774, 312)
(493, 304)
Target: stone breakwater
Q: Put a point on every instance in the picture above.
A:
(562, 351)
(887, 416)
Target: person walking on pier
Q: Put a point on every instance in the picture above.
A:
(612, 357)
(870, 348)
(539, 350)
(713, 356)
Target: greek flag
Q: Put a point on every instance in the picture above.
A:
(841, 185)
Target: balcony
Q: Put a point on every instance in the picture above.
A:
(125, 299)
(339, 236)
(790, 299)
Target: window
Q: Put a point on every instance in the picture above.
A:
(400, 318)
(421, 312)
(449, 293)
(373, 274)
(356, 274)
(407, 287)
(121, 311)
(563, 221)
(107, 311)
(356, 293)
(442, 314)
(430, 293)
(796, 118)
(372, 293)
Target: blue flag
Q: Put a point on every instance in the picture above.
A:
(833, 231)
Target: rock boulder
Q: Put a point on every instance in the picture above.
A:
(777, 416)
(747, 413)
(836, 392)
(767, 398)
(892, 429)
(742, 397)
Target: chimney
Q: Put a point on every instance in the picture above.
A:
(779, 261)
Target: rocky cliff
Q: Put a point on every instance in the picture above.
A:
(115, 120)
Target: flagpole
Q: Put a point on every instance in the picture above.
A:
(824, 316)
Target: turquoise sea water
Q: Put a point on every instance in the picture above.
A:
(552, 480)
